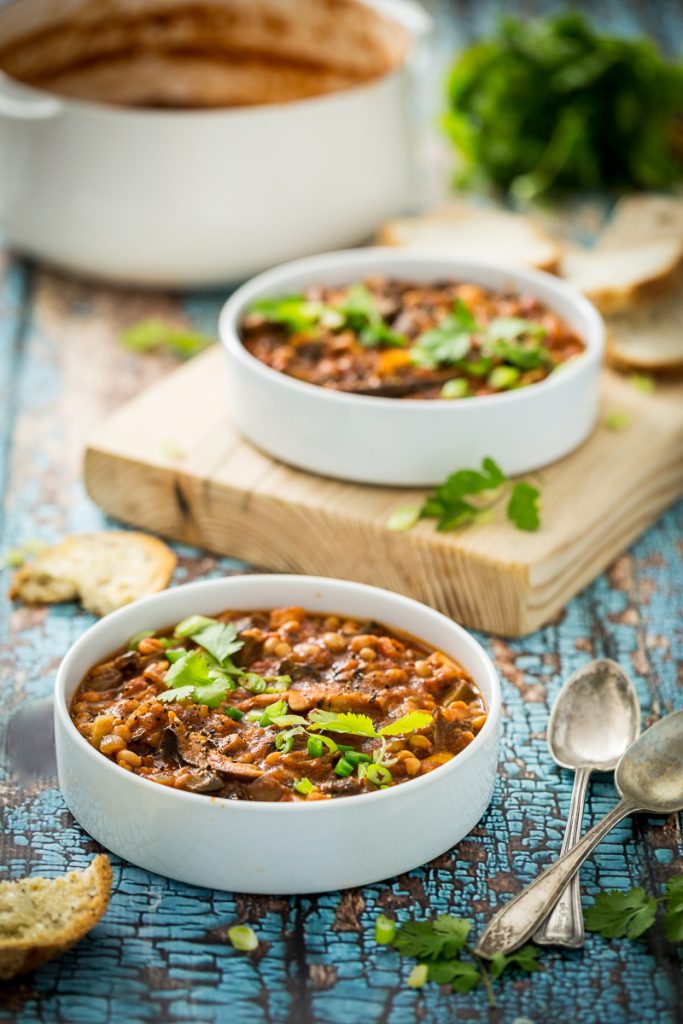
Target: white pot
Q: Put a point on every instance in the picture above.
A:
(183, 198)
(269, 847)
(417, 442)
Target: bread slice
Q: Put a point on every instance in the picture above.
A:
(103, 570)
(638, 256)
(40, 918)
(477, 233)
(641, 219)
(621, 279)
(650, 338)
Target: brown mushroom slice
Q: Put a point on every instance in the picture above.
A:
(267, 788)
(450, 737)
(197, 751)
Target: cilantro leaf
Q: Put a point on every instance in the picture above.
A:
(462, 975)
(523, 507)
(219, 639)
(343, 721)
(408, 723)
(617, 914)
(512, 328)
(299, 314)
(526, 959)
(191, 669)
(179, 693)
(673, 918)
(361, 314)
(152, 335)
(214, 693)
(432, 940)
(193, 624)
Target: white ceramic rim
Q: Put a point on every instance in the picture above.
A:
(493, 707)
(368, 258)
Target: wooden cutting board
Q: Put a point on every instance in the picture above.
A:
(171, 462)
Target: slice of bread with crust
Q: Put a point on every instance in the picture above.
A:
(621, 279)
(463, 230)
(103, 570)
(641, 219)
(650, 338)
(638, 256)
(40, 918)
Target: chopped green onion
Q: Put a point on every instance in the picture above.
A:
(315, 746)
(503, 377)
(617, 421)
(137, 637)
(304, 786)
(456, 388)
(403, 518)
(193, 624)
(643, 382)
(343, 768)
(234, 713)
(253, 682)
(418, 976)
(243, 937)
(356, 757)
(385, 930)
(378, 775)
(277, 684)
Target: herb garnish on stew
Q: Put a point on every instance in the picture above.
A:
(281, 705)
(401, 339)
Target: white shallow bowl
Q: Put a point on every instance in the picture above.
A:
(415, 442)
(269, 847)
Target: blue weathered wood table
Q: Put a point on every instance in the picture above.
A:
(161, 952)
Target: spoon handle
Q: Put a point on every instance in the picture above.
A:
(517, 921)
(564, 927)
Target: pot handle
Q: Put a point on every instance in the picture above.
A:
(22, 103)
(408, 13)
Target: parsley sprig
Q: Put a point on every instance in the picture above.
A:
(158, 335)
(452, 504)
(514, 342)
(617, 915)
(441, 948)
(357, 312)
(208, 675)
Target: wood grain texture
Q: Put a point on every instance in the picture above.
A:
(161, 952)
(217, 491)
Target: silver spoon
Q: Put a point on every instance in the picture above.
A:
(649, 777)
(595, 719)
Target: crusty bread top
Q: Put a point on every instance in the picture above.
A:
(649, 338)
(104, 570)
(641, 219)
(40, 918)
(474, 232)
(619, 279)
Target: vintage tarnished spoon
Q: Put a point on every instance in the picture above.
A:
(595, 719)
(649, 777)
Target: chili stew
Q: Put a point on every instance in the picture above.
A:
(279, 705)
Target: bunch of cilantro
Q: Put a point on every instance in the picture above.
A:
(550, 105)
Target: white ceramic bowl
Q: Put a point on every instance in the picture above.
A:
(264, 847)
(417, 442)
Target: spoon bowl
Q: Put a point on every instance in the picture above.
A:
(650, 774)
(595, 719)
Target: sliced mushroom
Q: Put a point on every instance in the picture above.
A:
(204, 782)
(196, 750)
